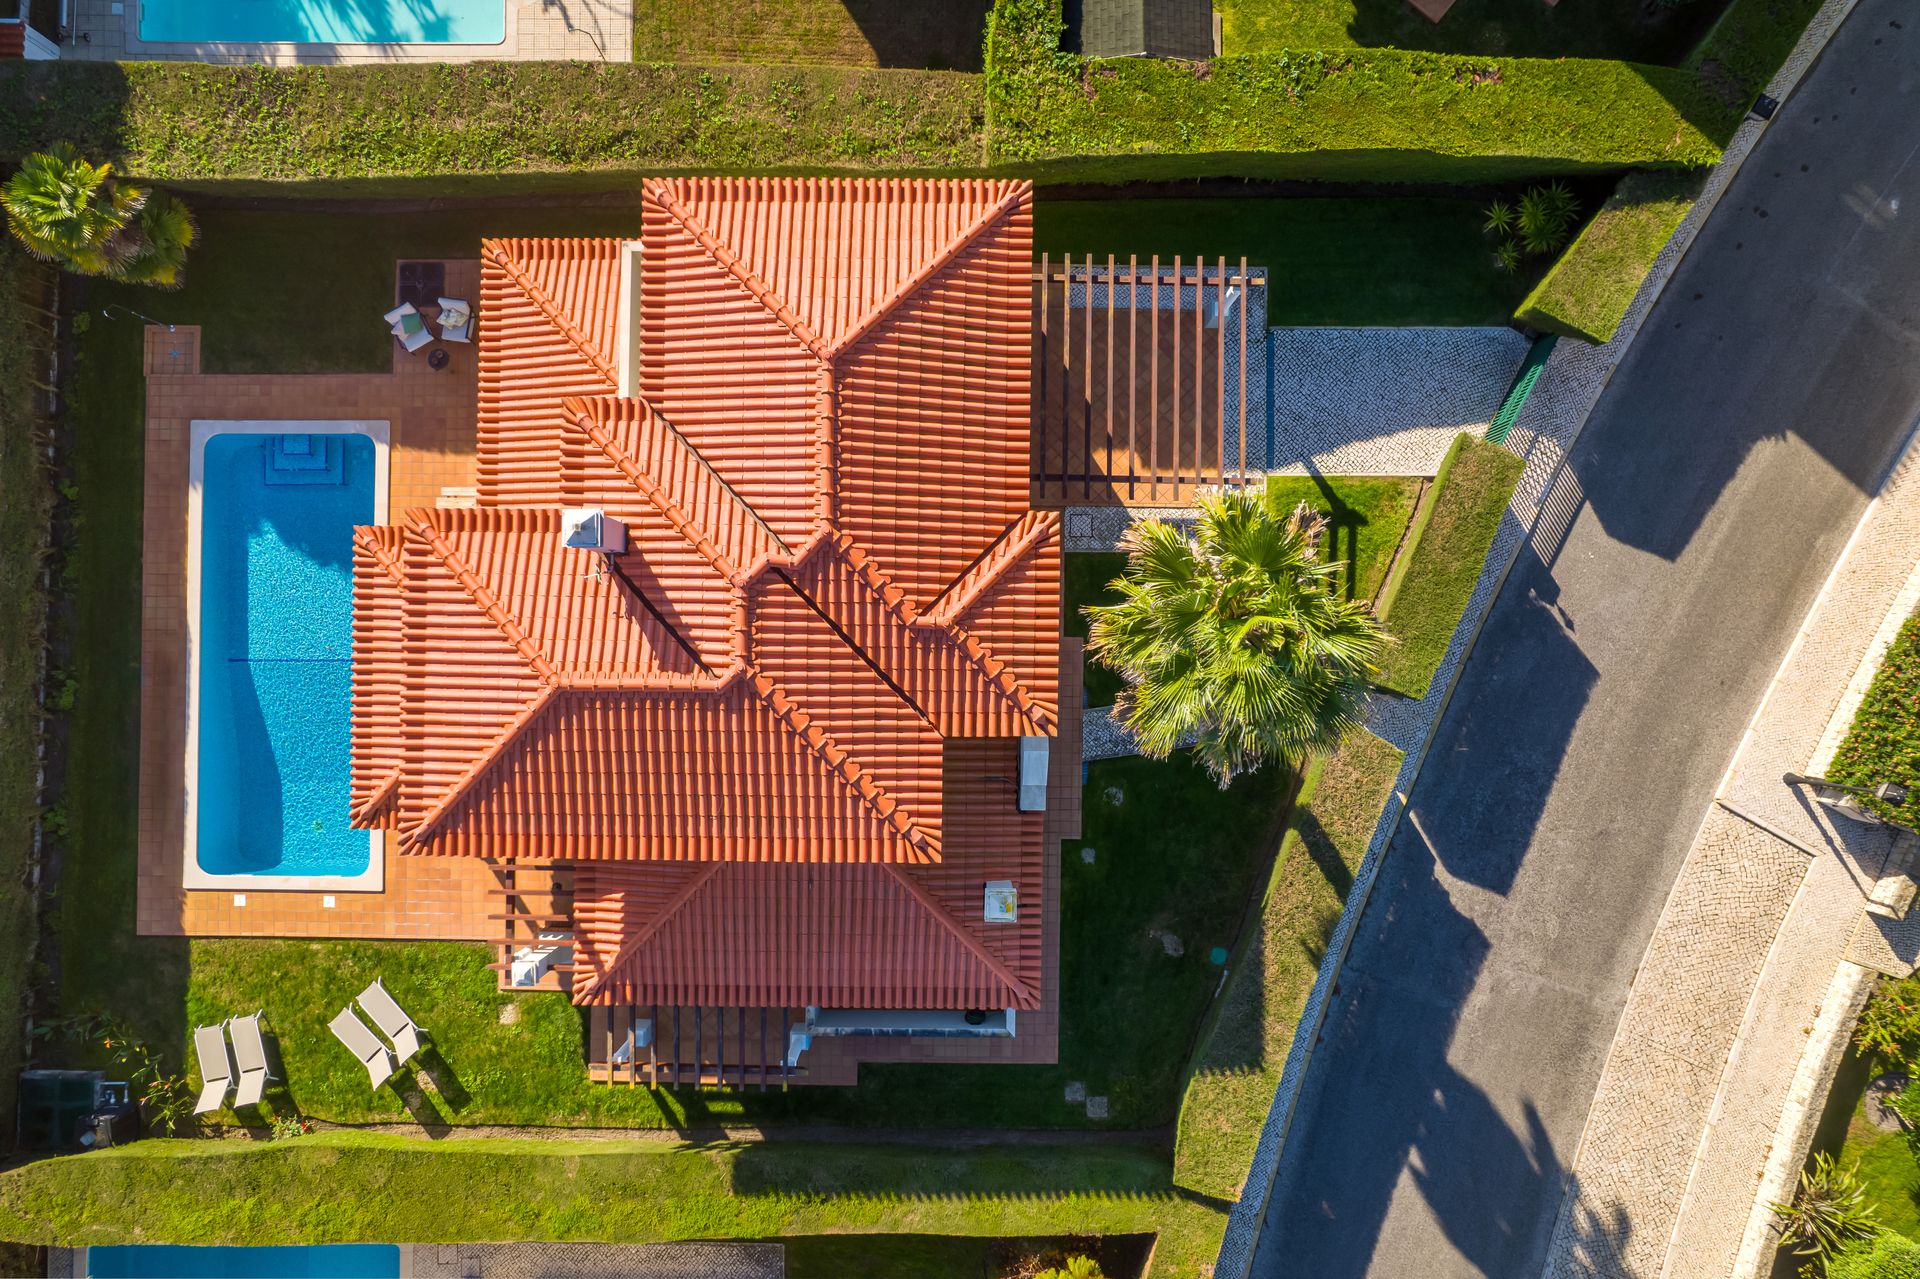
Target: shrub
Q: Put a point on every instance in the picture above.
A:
(1883, 742)
(1884, 1256)
(1380, 113)
(1889, 1026)
(1828, 1212)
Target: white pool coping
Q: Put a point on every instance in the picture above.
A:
(373, 879)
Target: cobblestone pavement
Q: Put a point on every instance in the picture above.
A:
(594, 1261)
(1687, 1116)
(1544, 504)
(1380, 401)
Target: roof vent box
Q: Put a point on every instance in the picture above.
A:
(590, 529)
(1003, 902)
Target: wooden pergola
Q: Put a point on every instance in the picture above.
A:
(1130, 401)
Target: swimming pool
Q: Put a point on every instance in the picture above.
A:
(321, 1261)
(323, 21)
(270, 602)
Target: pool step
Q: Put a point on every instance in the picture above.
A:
(305, 459)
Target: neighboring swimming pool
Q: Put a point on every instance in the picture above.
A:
(270, 602)
(323, 1261)
(323, 21)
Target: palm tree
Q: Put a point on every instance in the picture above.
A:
(1235, 637)
(69, 211)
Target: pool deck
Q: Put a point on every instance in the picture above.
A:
(537, 31)
(535, 1260)
(431, 415)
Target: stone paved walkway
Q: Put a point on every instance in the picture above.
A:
(1686, 1121)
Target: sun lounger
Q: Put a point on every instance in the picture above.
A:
(456, 320)
(216, 1067)
(250, 1055)
(363, 1044)
(409, 326)
(392, 1020)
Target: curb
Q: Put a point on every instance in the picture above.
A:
(1806, 52)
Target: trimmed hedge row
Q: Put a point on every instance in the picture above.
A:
(187, 123)
(1586, 293)
(1383, 114)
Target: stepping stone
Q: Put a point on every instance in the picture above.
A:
(1116, 796)
(1881, 1092)
(510, 1013)
(1169, 943)
(1096, 1107)
(1086, 855)
(1076, 1092)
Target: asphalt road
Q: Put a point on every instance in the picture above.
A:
(1723, 470)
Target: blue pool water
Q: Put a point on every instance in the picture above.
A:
(325, 21)
(276, 638)
(166, 1261)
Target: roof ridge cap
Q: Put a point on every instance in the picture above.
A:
(422, 522)
(966, 935)
(492, 251)
(651, 489)
(477, 768)
(927, 270)
(680, 898)
(381, 542)
(733, 265)
(820, 744)
(992, 564)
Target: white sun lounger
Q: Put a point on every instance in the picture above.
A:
(363, 1044)
(216, 1067)
(250, 1055)
(392, 1020)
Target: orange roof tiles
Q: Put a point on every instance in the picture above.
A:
(834, 613)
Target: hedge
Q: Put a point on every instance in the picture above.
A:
(1237, 1064)
(191, 124)
(1586, 293)
(1883, 742)
(1381, 114)
(1885, 1256)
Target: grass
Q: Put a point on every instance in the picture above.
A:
(1402, 260)
(953, 1256)
(1620, 29)
(26, 497)
(1585, 294)
(1367, 517)
(1173, 856)
(933, 35)
(1239, 1058)
(1748, 45)
(1427, 594)
(1883, 742)
(356, 1187)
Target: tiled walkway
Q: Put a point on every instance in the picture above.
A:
(431, 415)
(536, 31)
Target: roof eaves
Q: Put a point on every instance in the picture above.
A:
(435, 817)
(632, 946)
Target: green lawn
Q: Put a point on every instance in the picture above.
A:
(1366, 516)
(1427, 593)
(1398, 260)
(1586, 293)
(1625, 29)
(1238, 1062)
(26, 496)
(347, 1187)
(933, 35)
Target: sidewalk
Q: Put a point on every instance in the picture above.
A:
(1692, 1131)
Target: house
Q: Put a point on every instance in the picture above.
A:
(750, 622)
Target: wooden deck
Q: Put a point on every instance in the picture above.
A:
(1130, 391)
(710, 1047)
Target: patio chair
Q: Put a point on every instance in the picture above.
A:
(363, 1044)
(456, 320)
(216, 1067)
(250, 1055)
(409, 326)
(392, 1020)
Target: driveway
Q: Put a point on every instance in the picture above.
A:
(1720, 475)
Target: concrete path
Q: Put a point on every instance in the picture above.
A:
(1698, 515)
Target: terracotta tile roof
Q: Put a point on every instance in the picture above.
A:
(833, 595)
